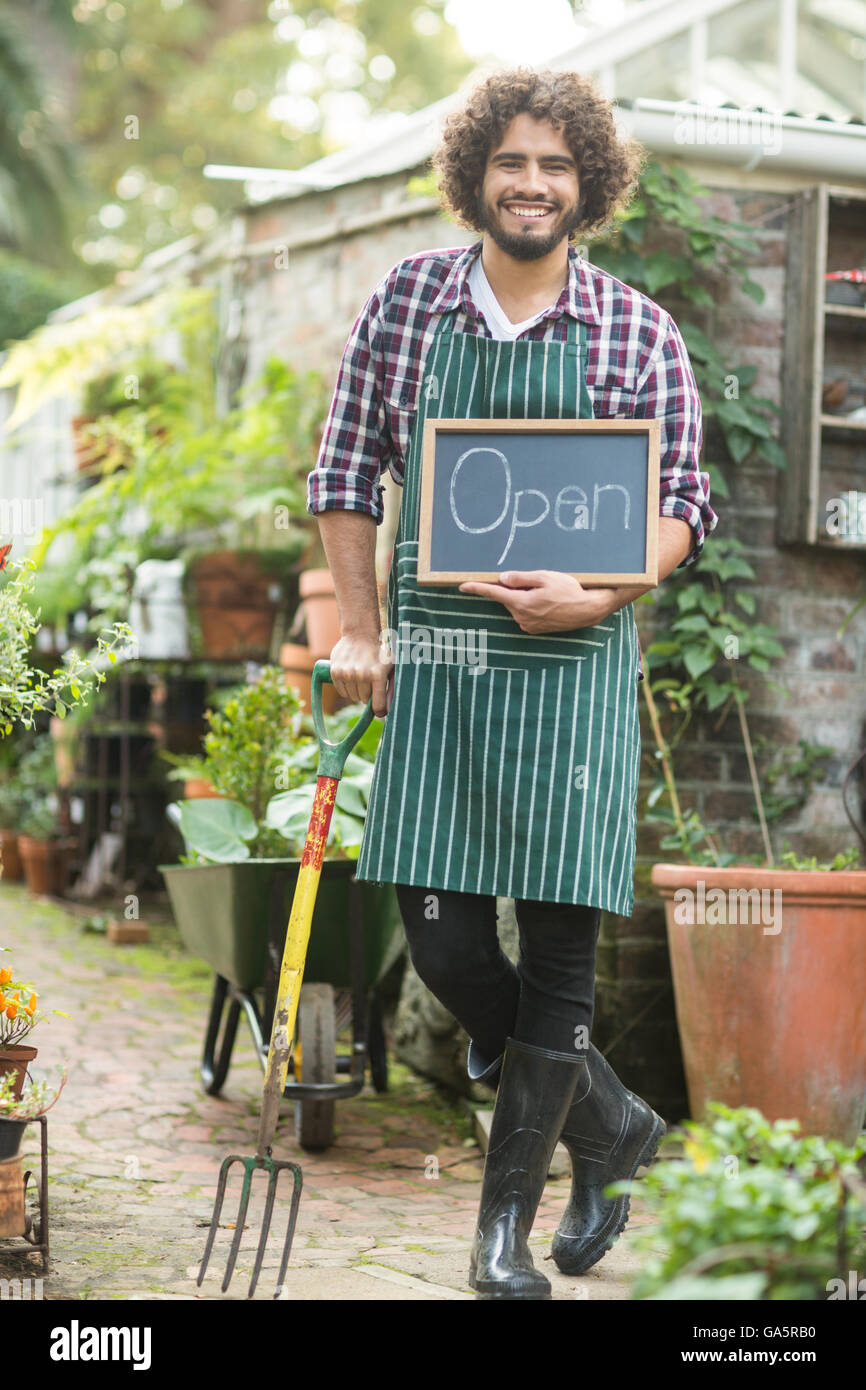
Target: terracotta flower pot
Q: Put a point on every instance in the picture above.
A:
(17, 1059)
(298, 663)
(769, 972)
(44, 865)
(10, 858)
(321, 614)
(236, 610)
(198, 788)
(11, 1198)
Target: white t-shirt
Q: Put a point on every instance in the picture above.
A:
(498, 322)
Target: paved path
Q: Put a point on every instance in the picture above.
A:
(136, 1145)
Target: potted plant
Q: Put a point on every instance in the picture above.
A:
(137, 385)
(260, 756)
(19, 1105)
(767, 959)
(19, 1015)
(17, 1110)
(750, 1210)
(42, 845)
(27, 691)
(12, 804)
(225, 486)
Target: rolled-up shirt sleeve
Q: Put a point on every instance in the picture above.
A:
(356, 445)
(667, 391)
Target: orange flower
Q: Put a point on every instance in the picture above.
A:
(2, 1003)
(11, 1010)
(5, 977)
(32, 1005)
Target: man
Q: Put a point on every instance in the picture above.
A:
(518, 778)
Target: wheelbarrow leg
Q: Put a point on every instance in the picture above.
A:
(214, 1070)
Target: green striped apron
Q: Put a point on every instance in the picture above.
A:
(513, 769)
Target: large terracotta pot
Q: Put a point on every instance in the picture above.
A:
(321, 614)
(44, 865)
(10, 858)
(769, 990)
(17, 1059)
(236, 610)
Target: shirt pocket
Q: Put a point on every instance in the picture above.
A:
(401, 408)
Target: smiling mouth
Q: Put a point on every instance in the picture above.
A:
(528, 212)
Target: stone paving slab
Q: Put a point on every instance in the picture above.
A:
(136, 1147)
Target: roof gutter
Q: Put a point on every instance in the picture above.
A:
(747, 139)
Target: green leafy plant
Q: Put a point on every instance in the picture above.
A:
(19, 1011)
(229, 831)
(36, 1099)
(845, 859)
(140, 384)
(752, 1210)
(25, 690)
(13, 801)
(289, 811)
(180, 468)
(247, 753)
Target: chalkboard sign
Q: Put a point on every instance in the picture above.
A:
(581, 496)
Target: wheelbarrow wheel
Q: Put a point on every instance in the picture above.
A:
(317, 1036)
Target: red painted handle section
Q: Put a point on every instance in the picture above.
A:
(320, 822)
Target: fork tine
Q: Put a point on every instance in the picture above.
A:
(290, 1229)
(214, 1225)
(241, 1218)
(273, 1175)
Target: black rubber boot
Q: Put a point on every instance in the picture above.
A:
(535, 1091)
(609, 1132)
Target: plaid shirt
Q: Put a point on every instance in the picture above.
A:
(636, 366)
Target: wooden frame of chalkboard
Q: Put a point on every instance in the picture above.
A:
(637, 457)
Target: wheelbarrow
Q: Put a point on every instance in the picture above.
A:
(234, 916)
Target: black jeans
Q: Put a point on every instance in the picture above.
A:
(546, 1000)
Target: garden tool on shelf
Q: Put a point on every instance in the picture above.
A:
(332, 758)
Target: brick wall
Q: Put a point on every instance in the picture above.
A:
(806, 593)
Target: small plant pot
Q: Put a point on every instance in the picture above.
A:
(10, 858)
(11, 1134)
(298, 663)
(199, 788)
(321, 614)
(44, 865)
(17, 1059)
(12, 1221)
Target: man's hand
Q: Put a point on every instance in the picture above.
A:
(361, 667)
(545, 600)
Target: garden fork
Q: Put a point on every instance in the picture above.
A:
(332, 758)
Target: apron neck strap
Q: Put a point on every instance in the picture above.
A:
(575, 331)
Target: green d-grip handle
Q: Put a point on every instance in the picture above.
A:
(332, 756)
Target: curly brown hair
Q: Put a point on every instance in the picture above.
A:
(608, 166)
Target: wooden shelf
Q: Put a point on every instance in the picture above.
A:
(839, 422)
(848, 311)
(823, 341)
